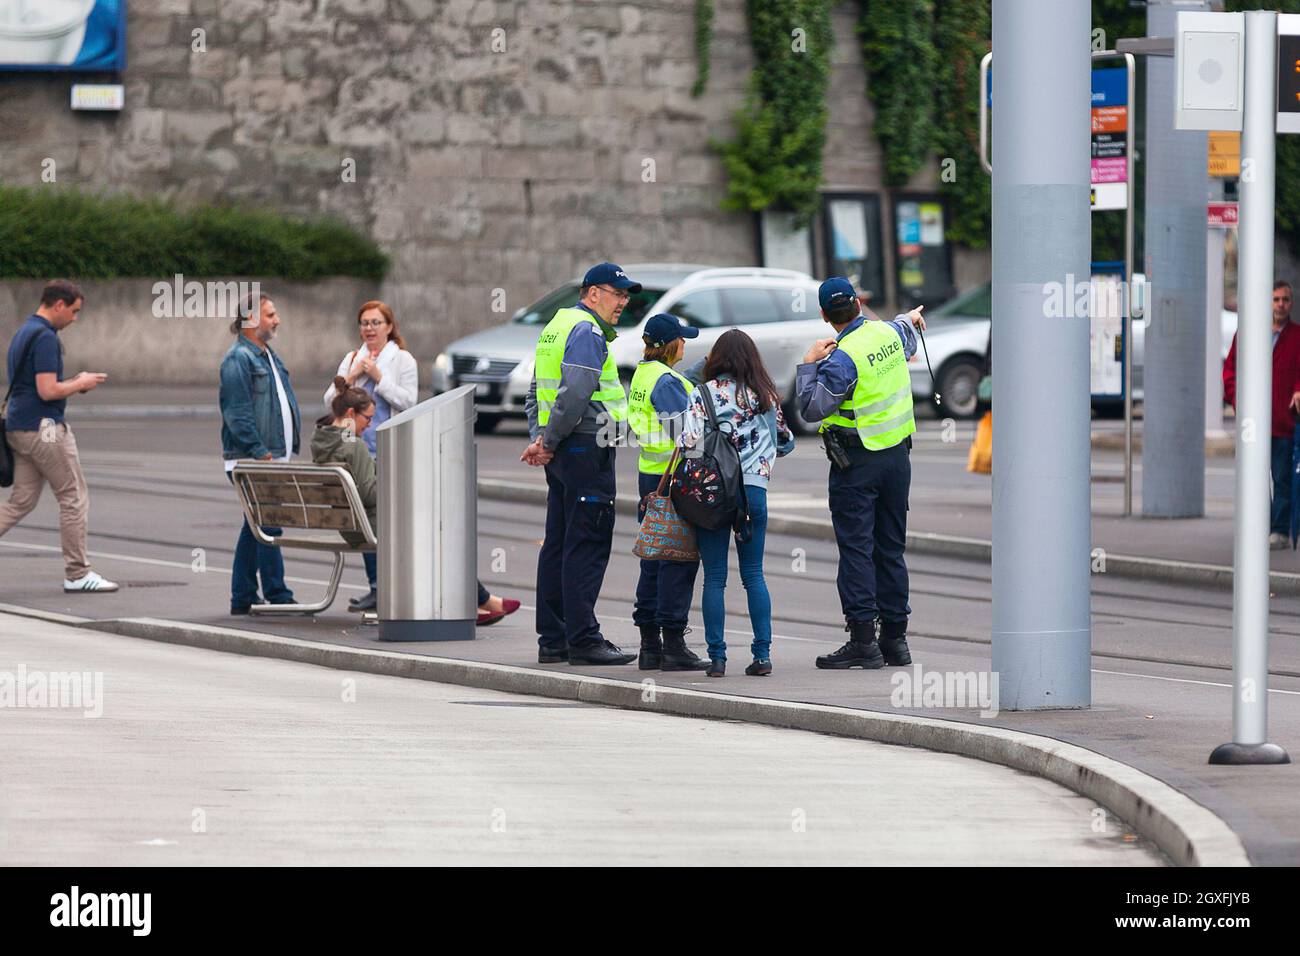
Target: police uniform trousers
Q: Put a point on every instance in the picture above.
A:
(579, 534)
(664, 592)
(868, 502)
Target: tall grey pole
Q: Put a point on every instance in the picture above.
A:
(1042, 235)
(1177, 187)
(1254, 404)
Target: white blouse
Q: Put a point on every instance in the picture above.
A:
(399, 383)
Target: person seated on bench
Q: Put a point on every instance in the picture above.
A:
(336, 441)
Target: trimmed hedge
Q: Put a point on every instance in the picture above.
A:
(49, 232)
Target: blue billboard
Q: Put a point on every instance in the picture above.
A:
(83, 36)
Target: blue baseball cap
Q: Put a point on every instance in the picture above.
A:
(664, 328)
(835, 292)
(607, 273)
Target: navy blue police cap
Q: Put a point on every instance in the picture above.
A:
(607, 273)
(835, 292)
(664, 328)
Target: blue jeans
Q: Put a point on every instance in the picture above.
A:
(714, 547)
(252, 558)
(1280, 515)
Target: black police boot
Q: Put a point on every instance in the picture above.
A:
(652, 648)
(893, 643)
(861, 649)
(677, 656)
(599, 651)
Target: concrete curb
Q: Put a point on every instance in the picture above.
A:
(1214, 447)
(954, 546)
(1184, 830)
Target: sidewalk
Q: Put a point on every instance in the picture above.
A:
(1161, 691)
(951, 510)
(657, 789)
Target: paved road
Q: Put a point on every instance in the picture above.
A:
(214, 759)
(1161, 663)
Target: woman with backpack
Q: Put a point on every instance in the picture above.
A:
(747, 409)
(657, 400)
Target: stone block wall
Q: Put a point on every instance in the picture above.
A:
(485, 144)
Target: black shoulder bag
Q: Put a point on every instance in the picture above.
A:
(708, 489)
(6, 454)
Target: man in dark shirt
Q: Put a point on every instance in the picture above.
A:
(45, 451)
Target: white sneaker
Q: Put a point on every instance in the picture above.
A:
(1277, 542)
(91, 582)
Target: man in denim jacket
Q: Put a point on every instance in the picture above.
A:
(259, 419)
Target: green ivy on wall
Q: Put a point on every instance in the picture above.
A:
(962, 31)
(703, 40)
(899, 54)
(775, 161)
(922, 59)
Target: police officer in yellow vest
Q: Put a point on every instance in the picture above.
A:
(657, 401)
(574, 404)
(857, 385)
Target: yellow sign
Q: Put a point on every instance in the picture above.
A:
(1225, 154)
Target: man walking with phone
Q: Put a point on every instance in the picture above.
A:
(43, 446)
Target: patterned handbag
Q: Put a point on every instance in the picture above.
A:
(665, 535)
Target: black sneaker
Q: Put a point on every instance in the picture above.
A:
(552, 655)
(599, 652)
(860, 650)
(759, 669)
(717, 668)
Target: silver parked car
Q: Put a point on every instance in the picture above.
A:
(777, 307)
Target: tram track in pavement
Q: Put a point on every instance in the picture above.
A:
(782, 619)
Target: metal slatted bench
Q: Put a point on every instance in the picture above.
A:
(301, 499)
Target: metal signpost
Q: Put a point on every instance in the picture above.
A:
(1226, 65)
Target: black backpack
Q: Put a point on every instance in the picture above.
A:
(707, 489)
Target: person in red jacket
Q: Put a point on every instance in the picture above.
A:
(1286, 403)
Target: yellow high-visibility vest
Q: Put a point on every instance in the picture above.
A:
(549, 357)
(656, 445)
(880, 406)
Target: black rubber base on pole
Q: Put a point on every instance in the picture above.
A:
(426, 630)
(1242, 754)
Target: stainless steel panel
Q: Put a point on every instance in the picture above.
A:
(428, 508)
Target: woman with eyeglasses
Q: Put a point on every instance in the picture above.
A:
(383, 369)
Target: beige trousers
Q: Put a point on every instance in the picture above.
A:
(50, 456)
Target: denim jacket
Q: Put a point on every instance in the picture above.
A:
(251, 426)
